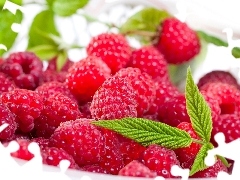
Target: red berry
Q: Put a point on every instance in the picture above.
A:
(25, 68)
(137, 169)
(149, 60)
(160, 160)
(42, 142)
(115, 99)
(86, 76)
(57, 108)
(81, 140)
(113, 49)
(177, 41)
(50, 75)
(26, 105)
(95, 168)
(6, 83)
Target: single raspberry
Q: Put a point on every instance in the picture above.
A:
(174, 111)
(137, 169)
(115, 99)
(95, 168)
(53, 156)
(52, 65)
(50, 88)
(148, 59)
(177, 41)
(160, 160)
(228, 96)
(7, 117)
(218, 76)
(131, 150)
(86, 76)
(212, 171)
(42, 142)
(113, 49)
(186, 156)
(57, 108)
(26, 105)
(143, 85)
(50, 75)
(25, 68)
(6, 83)
(81, 140)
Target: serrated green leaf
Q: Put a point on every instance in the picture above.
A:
(45, 51)
(199, 162)
(198, 109)
(148, 132)
(43, 23)
(61, 60)
(7, 36)
(69, 7)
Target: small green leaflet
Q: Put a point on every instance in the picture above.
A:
(198, 109)
(61, 59)
(148, 132)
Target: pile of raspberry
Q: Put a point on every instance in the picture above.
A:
(55, 108)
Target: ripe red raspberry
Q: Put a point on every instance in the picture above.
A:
(143, 85)
(81, 140)
(160, 160)
(50, 75)
(113, 49)
(115, 99)
(137, 169)
(53, 156)
(228, 96)
(218, 76)
(7, 117)
(25, 68)
(95, 168)
(186, 156)
(52, 65)
(177, 41)
(148, 59)
(86, 76)
(6, 83)
(212, 171)
(174, 111)
(42, 142)
(57, 108)
(26, 105)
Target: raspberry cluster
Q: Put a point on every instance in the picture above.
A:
(55, 108)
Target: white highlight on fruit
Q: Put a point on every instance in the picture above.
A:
(178, 171)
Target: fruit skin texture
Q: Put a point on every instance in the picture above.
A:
(160, 160)
(6, 83)
(95, 168)
(112, 48)
(86, 76)
(26, 105)
(178, 42)
(115, 99)
(137, 169)
(81, 140)
(149, 60)
(25, 68)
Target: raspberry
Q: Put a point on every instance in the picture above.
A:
(52, 65)
(228, 96)
(149, 60)
(86, 76)
(143, 85)
(174, 111)
(81, 140)
(218, 76)
(94, 168)
(137, 169)
(26, 105)
(25, 68)
(186, 156)
(160, 160)
(53, 156)
(6, 116)
(113, 49)
(6, 84)
(178, 42)
(212, 171)
(42, 142)
(50, 75)
(116, 93)
(57, 108)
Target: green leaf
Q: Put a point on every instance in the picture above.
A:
(7, 36)
(236, 52)
(45, 51)
(61, 60)
(199, 162)
(198, 109)
(148, 132)
(43, 23)
(68, 7)
(2, 2)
